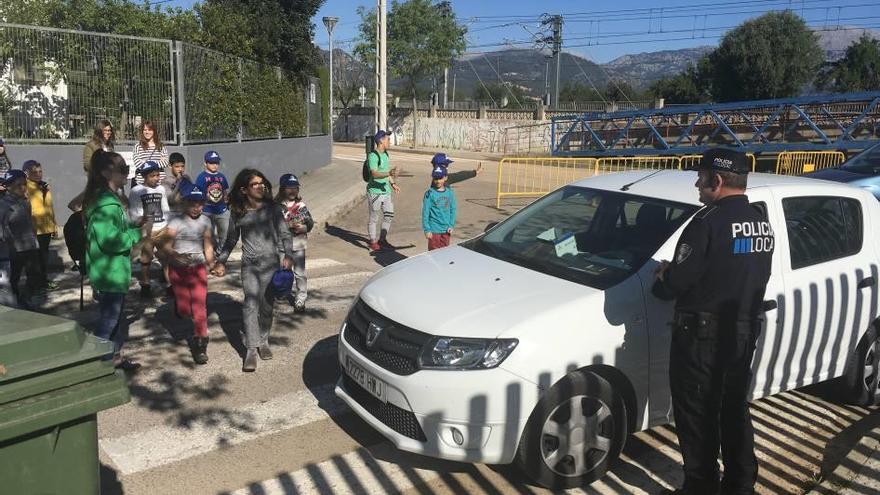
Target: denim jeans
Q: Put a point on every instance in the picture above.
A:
(112, 325)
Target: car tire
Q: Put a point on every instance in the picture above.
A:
(862, 377)
(559, 451)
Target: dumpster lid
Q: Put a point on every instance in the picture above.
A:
(34, 343)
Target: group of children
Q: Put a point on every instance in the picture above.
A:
(27, 226)
(191, 223)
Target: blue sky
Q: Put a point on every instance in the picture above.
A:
(602, 30)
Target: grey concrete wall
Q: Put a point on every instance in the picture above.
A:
(62, 164)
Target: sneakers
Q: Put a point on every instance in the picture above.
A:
(250, 361)
(299, 306)
(265, 352)
(374, 246)
(199, 348)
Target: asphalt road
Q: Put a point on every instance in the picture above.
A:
(212, 429)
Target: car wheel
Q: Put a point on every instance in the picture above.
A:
(574, 434)
(863, 373)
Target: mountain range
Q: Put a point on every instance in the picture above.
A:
(530, 68)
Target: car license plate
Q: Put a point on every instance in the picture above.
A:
(365, 379)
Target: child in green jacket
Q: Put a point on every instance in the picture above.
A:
(109, 239)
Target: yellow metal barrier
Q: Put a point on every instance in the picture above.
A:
(624, 163)
(802, 162)
(537, 176)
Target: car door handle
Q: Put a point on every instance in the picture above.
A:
(867, 282)
(769, 305)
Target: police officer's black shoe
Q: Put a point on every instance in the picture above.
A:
(682, 491)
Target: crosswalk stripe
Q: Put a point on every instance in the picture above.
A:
(356, 472)
(168, 444)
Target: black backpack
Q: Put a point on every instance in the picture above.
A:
(75, 240)
(365, 171)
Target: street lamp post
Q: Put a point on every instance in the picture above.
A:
(330, 23)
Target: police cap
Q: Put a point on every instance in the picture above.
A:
(724, 160)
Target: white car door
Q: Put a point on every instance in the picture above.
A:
(822, 310)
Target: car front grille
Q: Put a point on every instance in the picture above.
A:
(396, 418)
(397, 348)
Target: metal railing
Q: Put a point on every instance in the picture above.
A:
(56, 85)
(802, 162)
(537, 176)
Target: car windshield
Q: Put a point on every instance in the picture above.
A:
(866, 162)
(588, 236)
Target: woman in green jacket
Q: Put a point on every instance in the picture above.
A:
(109, 239)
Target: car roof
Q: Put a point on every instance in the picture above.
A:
(678, 185)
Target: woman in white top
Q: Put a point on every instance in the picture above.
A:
(149, 149)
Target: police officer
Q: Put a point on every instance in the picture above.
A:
(718, 278)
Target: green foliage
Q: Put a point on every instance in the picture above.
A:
(578, 92)
(858, 70)
(772, 56)
(123, 80)
(422, 38)
(496, 92)
(689, 86)
(618, 90)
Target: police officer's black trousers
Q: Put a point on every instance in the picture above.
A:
(710, 374)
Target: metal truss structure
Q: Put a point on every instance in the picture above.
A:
(821, 122)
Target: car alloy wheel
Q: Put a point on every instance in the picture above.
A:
(577, 436)
(574, 433)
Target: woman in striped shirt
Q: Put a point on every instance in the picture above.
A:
(149, 148)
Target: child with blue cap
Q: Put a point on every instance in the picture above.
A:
(299, 221)
(189, 250)
(438, 210)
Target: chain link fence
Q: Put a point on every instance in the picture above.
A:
(56, 85)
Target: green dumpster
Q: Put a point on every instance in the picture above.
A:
(52, 384)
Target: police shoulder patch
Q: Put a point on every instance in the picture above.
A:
(684, 251)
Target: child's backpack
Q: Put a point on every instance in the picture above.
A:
(365, 171)
(75, 240)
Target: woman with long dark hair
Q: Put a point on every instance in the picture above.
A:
(104, 139)
(109, 239)
(149, 148)
(258, 221)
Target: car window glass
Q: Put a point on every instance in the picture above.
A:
(588, 236)
(866, 162)
(822, 228)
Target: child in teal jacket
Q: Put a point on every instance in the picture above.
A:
(438, 210)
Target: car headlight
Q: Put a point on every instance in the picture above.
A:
(455, 353)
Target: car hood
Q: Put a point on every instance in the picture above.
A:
(461, 293)
(835, 174)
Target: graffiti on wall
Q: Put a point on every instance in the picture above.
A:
(490, 136)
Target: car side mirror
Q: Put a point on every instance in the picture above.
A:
(489, 226)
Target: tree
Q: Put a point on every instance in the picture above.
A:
(689, 86)
(577, 92)
(422, 38)
(772, 56)
(278, 32)
(497, 92)
(858, 70)
(349, 74)
(617, 90)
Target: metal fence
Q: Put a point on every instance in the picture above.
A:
(56, 85)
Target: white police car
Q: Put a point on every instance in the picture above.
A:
(540, 343)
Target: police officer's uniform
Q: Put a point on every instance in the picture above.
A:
(718, 278)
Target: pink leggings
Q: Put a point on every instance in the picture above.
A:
(190, 285)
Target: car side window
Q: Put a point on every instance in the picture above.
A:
(822, 228)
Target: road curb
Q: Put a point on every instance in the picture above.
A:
(851, 466)
(345, 201)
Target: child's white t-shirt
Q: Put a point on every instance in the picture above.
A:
(152, 199)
